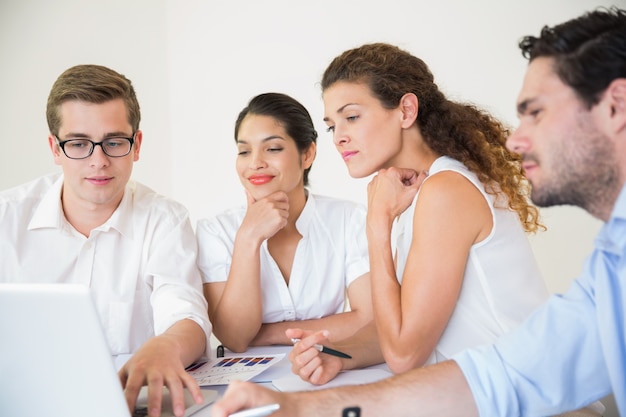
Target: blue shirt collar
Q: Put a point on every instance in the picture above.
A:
(612, 237)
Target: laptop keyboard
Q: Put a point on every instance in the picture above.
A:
(140, 412)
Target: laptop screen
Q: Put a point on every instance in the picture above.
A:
(54, 359)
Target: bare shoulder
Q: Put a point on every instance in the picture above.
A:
(449, 187)
(449, 201)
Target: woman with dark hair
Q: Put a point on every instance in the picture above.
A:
(289, 255)
(456, 270)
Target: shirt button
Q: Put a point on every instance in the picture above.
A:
(88, 246)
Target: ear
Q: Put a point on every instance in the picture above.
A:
(309, 155)
(137, 145)
(617, 90)
(409, 106)
(55, 148)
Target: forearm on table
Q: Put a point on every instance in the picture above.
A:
(430, 391)
(340, 326)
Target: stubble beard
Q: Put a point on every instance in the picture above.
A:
(587, 177)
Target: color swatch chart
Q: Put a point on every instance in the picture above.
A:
(222, 371)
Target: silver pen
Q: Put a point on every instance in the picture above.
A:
(327, 350)
(262, 411)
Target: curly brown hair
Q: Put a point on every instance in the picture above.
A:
(458, 130)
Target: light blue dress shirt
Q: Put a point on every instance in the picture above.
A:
(571, 351)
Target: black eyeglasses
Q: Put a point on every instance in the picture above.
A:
(114, 147)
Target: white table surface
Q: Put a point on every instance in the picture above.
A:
(264, 378)
(278, 370)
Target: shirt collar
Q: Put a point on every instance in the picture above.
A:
(49, 213)
(122, 218)
(619, 210)
(306, 217)
(612, 237)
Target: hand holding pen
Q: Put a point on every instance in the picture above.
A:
(326, 349)
(307, 359)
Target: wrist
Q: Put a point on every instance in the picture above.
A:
(378, 229)
(247, 237)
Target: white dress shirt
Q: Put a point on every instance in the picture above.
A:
(140, 264)
(330, 256)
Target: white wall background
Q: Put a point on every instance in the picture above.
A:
(196, 63)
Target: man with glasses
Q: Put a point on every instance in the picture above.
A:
(92, 225)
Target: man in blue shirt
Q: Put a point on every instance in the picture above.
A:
(572, 351)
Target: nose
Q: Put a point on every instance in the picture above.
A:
(257, 161)
(98, 158)
(340, 137)
(518, 141)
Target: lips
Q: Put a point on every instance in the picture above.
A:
(260, 179)
(529, 167)
(347, 155)
(99, 180)
(528, 162)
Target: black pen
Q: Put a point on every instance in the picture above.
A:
(327, 350)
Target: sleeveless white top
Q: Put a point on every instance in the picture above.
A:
(502, 284)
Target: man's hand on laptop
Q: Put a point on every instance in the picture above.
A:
(159, 363)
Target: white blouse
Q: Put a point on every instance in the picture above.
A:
(330, 256)
(502, 284)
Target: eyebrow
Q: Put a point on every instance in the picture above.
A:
(522, 107)
(79, 135)
(271, 137)
(341, 109)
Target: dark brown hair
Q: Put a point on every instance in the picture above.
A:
(589, 52)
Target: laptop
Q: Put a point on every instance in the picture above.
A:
(55, 360)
